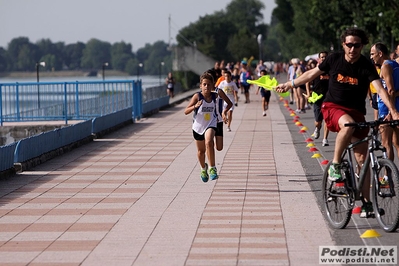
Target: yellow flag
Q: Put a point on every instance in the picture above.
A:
(268, 83)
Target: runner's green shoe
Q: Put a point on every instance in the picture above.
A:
(334, 172)
(204, 174)
(213, 173)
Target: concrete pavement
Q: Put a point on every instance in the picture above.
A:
(135, 197)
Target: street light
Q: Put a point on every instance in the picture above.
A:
(43, 64)
(160, 73)
(140, 65)
(260, 45)
(104, 65)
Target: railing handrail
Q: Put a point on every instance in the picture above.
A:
(63, 82)
(41, 101)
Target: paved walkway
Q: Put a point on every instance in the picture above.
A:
(135, 197)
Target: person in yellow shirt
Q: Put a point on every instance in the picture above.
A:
(373, 95)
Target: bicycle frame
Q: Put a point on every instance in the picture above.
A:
(374, 145)
(340, 195)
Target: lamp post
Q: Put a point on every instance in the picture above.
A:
(140, 65)
(160, 73)
(259, 38)
(104, 65)
(38, 64)
(43, 64)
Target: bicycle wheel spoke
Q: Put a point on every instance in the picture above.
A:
(338, 209)
(385, 195)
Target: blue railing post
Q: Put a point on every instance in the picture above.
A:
(135, 104)
(140, 98)
(133, 98)
(17, 101)
(77, 100)
(137, 99)
(1, 106)
(65, 103)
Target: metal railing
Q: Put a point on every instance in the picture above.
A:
(103, 104)
(32, 101)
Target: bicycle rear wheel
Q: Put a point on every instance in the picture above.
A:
(385, 196)
(337, 201)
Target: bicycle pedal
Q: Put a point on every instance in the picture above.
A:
(339, 187)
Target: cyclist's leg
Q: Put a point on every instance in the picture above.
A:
(343, 137)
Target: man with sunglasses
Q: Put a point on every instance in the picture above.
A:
(350, 76)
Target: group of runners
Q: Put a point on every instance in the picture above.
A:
(343, 78)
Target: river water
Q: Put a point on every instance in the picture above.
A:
(147, 81)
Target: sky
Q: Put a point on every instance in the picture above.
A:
(132, 21)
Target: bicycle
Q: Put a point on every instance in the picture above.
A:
(339, 196)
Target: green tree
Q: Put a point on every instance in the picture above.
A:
(132, 67)
(23, 54)
(27, 58)
(236, 28)
(245, 14)
(95, 54)
(157, 55)
(152, 55)
(308, 26)
(120, 54)
(52, 52)
(243, 45)
(4, 60)
(72, 55)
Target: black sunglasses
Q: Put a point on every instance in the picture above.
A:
(356, 45)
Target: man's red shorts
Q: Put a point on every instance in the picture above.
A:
(332, 113)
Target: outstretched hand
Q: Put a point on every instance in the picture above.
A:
(283, 87)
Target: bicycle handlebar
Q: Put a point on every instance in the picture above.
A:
(375, 123)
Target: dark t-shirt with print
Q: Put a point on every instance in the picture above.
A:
(348, 83)
(320, 84)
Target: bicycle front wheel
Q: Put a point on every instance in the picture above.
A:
(336, 201)
(385, 195)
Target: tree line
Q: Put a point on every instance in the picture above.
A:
(297, 29)
(22, 55)
(309, 26)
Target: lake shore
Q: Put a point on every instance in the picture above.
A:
(62, 73)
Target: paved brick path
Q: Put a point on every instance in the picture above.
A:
(135, 197)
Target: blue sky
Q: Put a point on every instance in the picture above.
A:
(112, 21)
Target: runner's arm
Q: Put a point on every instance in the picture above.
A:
(385, 98)
(302, 79)
(193, 104)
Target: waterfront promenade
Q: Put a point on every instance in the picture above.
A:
(135, 197)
